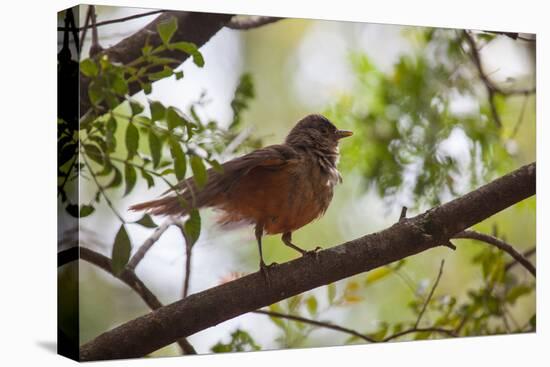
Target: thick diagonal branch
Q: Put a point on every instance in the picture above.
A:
(408, 237)
(130, 278)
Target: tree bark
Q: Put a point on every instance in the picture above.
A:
(192, 27)
(407, 237)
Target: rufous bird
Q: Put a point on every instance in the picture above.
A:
(278, 189)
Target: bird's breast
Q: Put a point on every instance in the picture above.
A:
(282, 199)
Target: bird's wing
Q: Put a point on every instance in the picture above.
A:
(271, 157)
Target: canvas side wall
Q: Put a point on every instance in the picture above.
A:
(67, 195)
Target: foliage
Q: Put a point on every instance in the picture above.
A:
(407, 115)
(112, 148)
(484, 310)
(241, 341)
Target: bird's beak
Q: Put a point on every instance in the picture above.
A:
(343, 133)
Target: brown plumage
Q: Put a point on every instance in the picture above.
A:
(279, 188)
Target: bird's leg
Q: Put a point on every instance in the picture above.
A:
(259, 231)
(287, 240)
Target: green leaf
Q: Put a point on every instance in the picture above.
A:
(86, 210)
(146, 50)
(117, 179)
(95, 92)
(119, 85)
(110, 139)
(174, 118)
(517, 292)
(178, 75)
(121, 251)
(199, 171)
(94, 153)
(131, 177)
(148, 178)
(216, 166)
(167, 29)
(192, 227)
(311, 303)
(132, 140)
(243, 94)
(157, 110)
(136, 107)
(147, 221)
(155, 145)
(167, 171)
(294, 302)
(147, 87)
(241, 341)
(180, 163)
(164, 73)
(331, 292)
(89, 68)
(191, 49)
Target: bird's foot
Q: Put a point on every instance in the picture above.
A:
(313, 252)
(264, 269)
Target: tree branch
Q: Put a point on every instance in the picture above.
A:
(148, 243)
(130, 278)
(430, 295)
(490, 86)
(326, 325)
(249, 22)
(421, 330)
(408, 237)
(526, 254)
(192, 27)
(500, 244)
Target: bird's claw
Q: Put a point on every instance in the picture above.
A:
(264, 269)
(313, 252)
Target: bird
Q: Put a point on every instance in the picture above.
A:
(277, 189)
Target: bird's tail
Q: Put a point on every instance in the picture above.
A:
(186, 198)
(169, 205)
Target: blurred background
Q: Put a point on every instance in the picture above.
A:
(425, 133)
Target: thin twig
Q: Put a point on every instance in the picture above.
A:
(505, 322)
(513, 35)
(520, 117)
(130, 278)
(430, 295)
(188, 252)
(490, 86)
(421, 330)
(235, 143)
(526, 254)
(250, 22)
(511, 316)
(95, 48)
(500, 244)
(149, 242)
(86, 24)
(118, 20)
(406, 280)
(476, 58)
(316, 323)
(102, 190)
(367, 338)
(403, 214)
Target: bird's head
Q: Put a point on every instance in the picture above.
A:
(316, 131)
